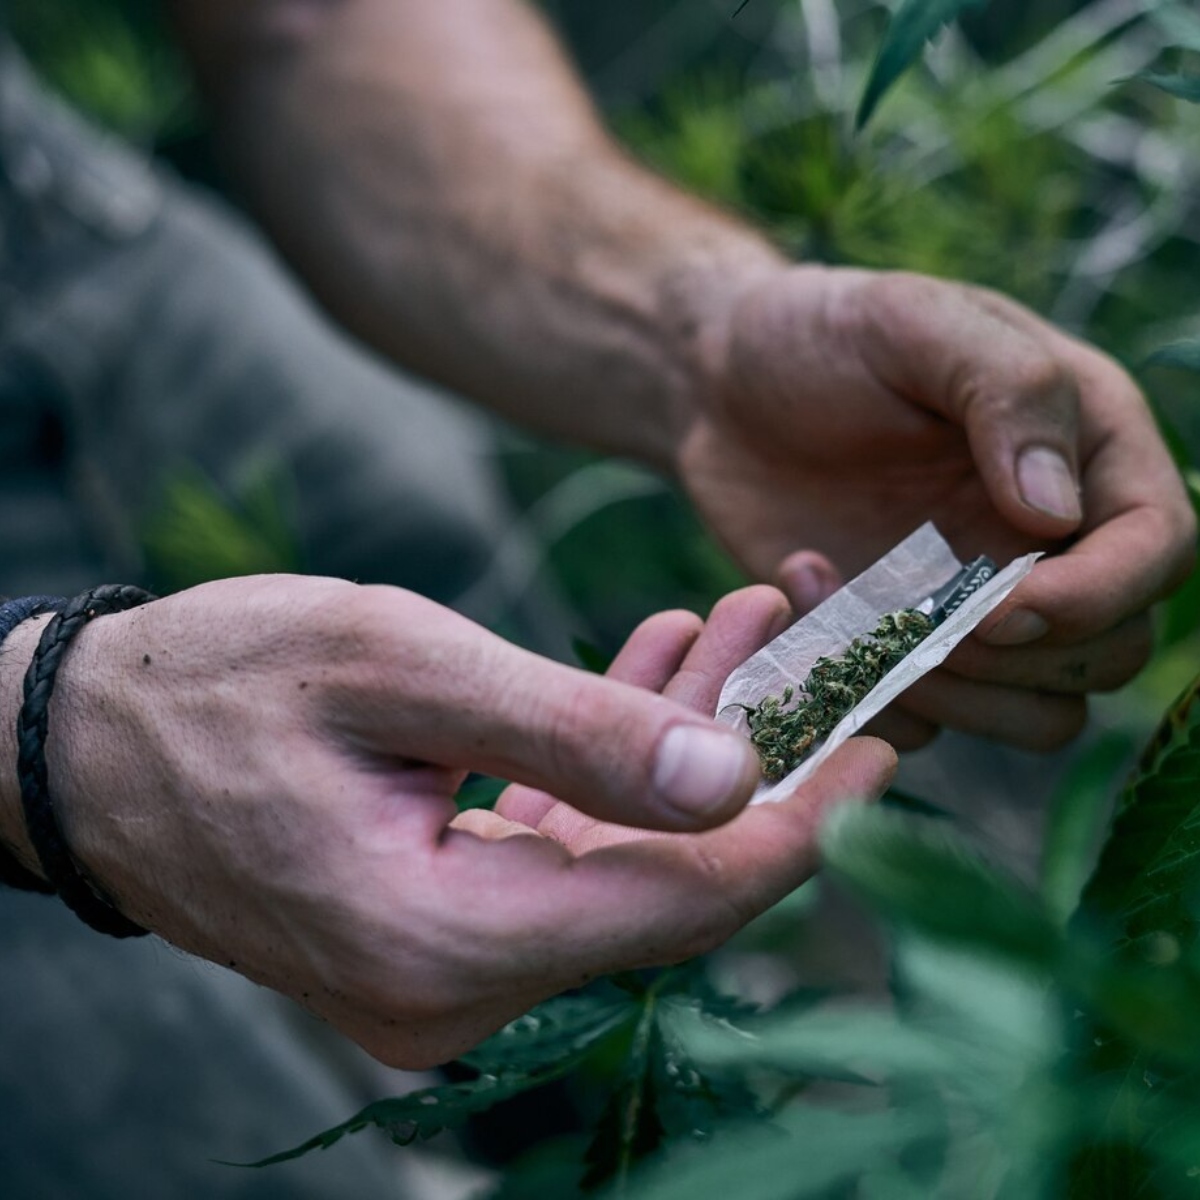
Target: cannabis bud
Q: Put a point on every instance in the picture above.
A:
(785, 729)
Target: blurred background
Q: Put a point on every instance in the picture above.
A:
(1020, 154)
(1014, 156)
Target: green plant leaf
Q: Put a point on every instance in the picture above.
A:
(692, 1102)
(1185, 87)
(419, 1115)
(1173, 1117)
(198, 533)
(1145, 997)
(1078, 815)
(862, 1044)
(1153, 1008)
(1184, 354)
(818, 1150)
(629, 1129)
(992, 1005)
(1151, 862)
(912, 25)
(689, 986)
(924, 876)
(567, 1026)
(545, 1044)
(479, 792)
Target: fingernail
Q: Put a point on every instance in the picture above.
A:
(1020, 627)
(809, 588)
(699, 769)
(1047, 483)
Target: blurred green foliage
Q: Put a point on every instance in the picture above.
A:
(112, 58)
(1032, 1050)
(198, 533)
(1013, 156)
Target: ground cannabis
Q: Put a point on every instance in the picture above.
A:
(785, 729)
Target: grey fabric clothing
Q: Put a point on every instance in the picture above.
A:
(127, 1069)
(145, 328)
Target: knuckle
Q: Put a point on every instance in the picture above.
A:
(1040, 387)
(565, 718)
(1042, 374)
(894, 299)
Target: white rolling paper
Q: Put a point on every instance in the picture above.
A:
(905, 577)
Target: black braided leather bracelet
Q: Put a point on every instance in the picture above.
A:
(12, 614)
(32, 726)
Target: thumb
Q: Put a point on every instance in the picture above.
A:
(611, 750)
(617, 752)
(465, 698)
(966, 355)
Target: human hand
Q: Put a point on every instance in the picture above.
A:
(262, 771)
(845, 408)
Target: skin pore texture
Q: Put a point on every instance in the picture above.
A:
(261, 770)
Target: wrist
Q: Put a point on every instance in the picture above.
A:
(701, 304)
(81, 732)
(17, 654)
(700, 297)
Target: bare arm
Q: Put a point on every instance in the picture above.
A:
(440, 178)
(436, 172)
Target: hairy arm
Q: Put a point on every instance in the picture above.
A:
(440, 178)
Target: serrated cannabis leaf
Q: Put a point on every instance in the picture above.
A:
(1148, 995)
(693, 1102)
(912, 25)
(661, 1093)
(417, 1116)
(1151, 863)
(538, 1048)
(564, 1026)
(1185, 87)
(629, 1129)
(689, 987)
(925, 876)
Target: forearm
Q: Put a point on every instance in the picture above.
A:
(437, 174)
